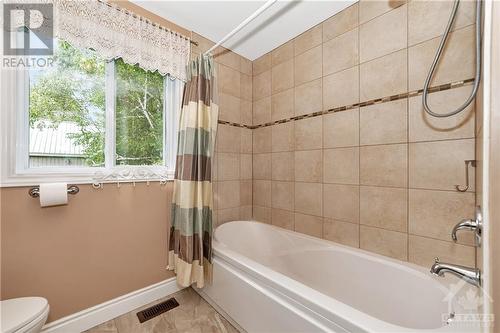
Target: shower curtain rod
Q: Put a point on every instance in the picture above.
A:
(243, 24)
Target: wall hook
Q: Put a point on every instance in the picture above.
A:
(461, 188)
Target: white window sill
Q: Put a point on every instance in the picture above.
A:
(33, 177)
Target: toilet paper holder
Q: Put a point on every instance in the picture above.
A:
(34, 192)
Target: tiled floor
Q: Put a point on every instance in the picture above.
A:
(193, 314)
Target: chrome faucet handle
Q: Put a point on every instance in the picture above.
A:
(470, 224)
(464, 224)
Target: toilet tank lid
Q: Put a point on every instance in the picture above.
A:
(18, 312)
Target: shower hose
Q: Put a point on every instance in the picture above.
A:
(435, 62)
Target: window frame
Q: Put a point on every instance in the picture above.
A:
(16, 130)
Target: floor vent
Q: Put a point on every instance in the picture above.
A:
(157, 310)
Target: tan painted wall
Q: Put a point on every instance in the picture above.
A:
(103, 244)
(151, 16)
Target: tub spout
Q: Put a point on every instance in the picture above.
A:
(470, 275)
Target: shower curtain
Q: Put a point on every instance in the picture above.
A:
(190, 246)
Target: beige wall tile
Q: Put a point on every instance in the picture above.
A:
(341, 129)
(229, 81)
(383, 35)
(341, 88)
(424, 127)
(246, 163)
(261, 85)
(283, 137)
(369, 9)
(384, 165)
(228, 166)
(262, 111)
(341, 22)
(262, 214)
(228, 215)
(246, 193)
(341, 166)
(282, 76)
(308, 40)
(341, 52)
(384, 207)
(282, 53)
(246, 112)
(385, 242)
(246, 87)
(245, 66)
(283, 218)
(282, 105)
(308, 98)
(308, 65)
(385, 76)
(228, 139)
(309, 225)
(458, 64)
(309, 165)
(282, 195)
(422, 251)
(246, 140)
(440, 165)
(309, 133)
(384, 123)
(227, 58)
(341, 202)
(283, 166)
(262, 64)
(262, 193)
(308, 198)
(229, 194)
(341, 232)
(435, 213)
(262, 139)
(262, 166)
(246, 213)
(229, 108)
(428, 19)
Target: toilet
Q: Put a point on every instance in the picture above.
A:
(23, 315)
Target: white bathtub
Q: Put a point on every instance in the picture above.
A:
(268, 279)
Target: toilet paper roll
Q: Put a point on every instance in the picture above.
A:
(53, 194)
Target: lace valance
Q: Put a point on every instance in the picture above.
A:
(115, 34)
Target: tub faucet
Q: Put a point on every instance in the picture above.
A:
(470, 275)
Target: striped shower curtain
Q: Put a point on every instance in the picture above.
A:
(190, 246)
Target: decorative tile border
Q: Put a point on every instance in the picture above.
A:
(386, 99)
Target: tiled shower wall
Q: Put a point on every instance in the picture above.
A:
(232, 166)
(343, 149)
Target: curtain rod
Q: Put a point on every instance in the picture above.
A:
(128, 12)
(243, 24)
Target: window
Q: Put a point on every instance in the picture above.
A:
(85, 114)
(66, 107)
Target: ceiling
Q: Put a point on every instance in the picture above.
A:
(278, 24)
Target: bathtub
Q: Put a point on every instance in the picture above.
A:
(268, 279)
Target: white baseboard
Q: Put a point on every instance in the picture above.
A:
(88, 318)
